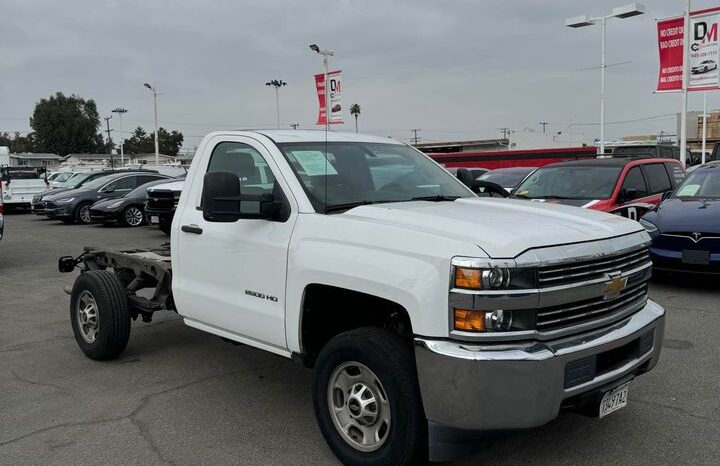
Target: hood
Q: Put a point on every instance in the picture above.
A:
(176, 186)
(683, 215)
(503, 228)
(62, 194)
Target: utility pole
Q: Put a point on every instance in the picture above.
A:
(505, 132)
(543, 124)
(294, 125)
(109, 141)
(416, 138)
(120, 112)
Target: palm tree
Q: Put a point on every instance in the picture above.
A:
(355, 111)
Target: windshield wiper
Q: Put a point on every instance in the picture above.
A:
(435, 198)
(349, 205)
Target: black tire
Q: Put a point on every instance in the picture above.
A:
(125, 213)
(78, 217)
(165, 225)
(392, 361)
(113, 317)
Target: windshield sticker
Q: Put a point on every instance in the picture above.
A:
(314, 163)
(688, 190)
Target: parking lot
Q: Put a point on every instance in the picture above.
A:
(180, 396)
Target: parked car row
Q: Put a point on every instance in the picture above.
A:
(110, 196)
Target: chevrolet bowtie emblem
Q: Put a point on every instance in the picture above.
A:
(613, 288)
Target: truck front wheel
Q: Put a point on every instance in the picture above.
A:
(99, 315)
(367, 401)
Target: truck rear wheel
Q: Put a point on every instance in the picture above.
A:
(367, 401)
(99, 315)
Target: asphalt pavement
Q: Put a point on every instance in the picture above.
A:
(180, 396)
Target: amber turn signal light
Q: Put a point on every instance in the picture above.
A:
(469, 321)
(468, 278)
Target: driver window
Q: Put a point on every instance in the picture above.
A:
(250, 167)
(635, 180)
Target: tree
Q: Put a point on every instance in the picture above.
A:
(355, 111)
(142, 142)
(17, 143)
(66, 124)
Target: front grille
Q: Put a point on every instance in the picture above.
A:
(161, 200)
(688, 240)
(580, 271)
(580, 312)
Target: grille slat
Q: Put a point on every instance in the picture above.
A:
(568, 273)
(596, 308)
(609, 308)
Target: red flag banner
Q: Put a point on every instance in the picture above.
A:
(335, 97)
(670, 45)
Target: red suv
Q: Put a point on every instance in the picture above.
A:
(625, 186)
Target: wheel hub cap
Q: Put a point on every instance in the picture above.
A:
(87, 317)
(359, 406)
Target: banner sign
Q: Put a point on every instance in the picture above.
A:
(670, 45)
(703, 54)
(702, 58)
(334, 77)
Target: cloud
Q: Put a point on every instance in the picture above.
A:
(457, 69)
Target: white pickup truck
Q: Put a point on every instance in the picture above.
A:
(18, 185)
(424, 310)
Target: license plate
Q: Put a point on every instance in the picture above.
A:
(614, 400)
(694, 257)
(154, 219)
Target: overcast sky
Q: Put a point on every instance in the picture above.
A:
(455, 69)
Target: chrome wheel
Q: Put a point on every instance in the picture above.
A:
(87, 317)
(84, 213)
(133, 216)
(359, 406)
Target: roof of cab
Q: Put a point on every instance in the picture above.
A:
(611, 162)
(303, 135)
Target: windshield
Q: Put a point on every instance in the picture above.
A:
(700, 184)
(507, 178)
(76, 180)
(96, 183)
(62, 177)
(366, 173)
(570, 182)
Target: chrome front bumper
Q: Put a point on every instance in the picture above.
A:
(521, 385)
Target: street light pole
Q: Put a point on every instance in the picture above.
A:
(120, 112)
(277, 84)
(325, 54)
(622, 12)
(157, 148)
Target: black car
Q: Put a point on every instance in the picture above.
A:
(74, 205)
(128, 211)
(76, 181)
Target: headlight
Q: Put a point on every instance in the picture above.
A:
(64, 200)
(482, 321)
(482, 279)
(649, 226)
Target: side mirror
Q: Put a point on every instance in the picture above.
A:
(465, 177)
(628, 194)
(666, 195)
(222, 200)
(488, 187)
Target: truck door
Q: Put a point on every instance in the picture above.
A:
(231, 275)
